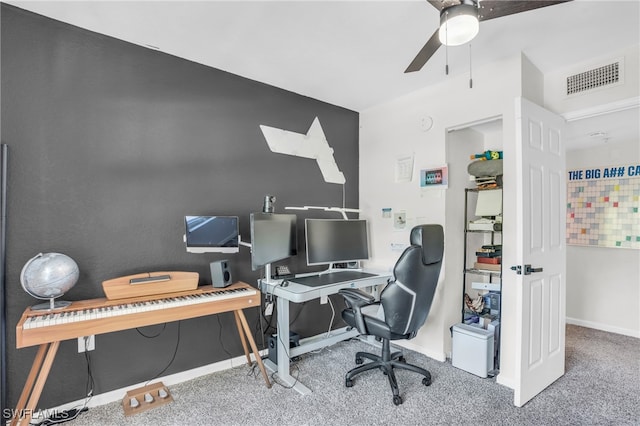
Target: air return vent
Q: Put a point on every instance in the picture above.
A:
(605, 75)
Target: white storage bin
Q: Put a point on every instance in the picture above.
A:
(472, 349)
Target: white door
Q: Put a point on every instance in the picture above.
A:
(540, 221)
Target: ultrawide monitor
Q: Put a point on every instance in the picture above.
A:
(336, 241)
(212, 234)
(273, 237)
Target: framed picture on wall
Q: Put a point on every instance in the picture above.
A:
(437, 177)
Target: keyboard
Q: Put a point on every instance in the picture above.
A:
(130, 308)
(99, 316)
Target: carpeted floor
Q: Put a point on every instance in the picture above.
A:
(600, 387)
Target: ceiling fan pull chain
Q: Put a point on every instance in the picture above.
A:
(470, 75)
(446, 42)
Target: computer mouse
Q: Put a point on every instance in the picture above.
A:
(148, 397)
(285, 283)
(162, 393)
(133, 403)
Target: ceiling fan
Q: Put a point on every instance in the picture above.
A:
(460, 21)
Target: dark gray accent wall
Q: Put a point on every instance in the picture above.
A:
(110, 146)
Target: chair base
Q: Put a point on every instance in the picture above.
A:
(387, 362)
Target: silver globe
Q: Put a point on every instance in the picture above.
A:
(49, 276)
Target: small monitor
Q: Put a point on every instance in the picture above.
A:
(336, 240)
(217, 234)
(273, 237)
(489, 202)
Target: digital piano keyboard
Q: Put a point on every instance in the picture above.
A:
(98, 316)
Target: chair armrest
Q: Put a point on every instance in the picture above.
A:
(356, 299)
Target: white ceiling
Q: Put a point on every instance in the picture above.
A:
(348, 53)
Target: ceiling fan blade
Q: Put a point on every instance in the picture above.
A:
(490, 9)
(425, 53)
(443, 4)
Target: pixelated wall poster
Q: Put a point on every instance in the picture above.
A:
(435, 178)
(602, 206)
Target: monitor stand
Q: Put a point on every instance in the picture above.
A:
(267, 275)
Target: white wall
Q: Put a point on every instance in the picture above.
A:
(555, 98)
(393, 130)
(603, 284)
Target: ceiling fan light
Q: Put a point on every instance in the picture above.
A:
(458, 24)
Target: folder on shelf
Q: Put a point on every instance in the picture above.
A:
(490, 260)
(487, 266)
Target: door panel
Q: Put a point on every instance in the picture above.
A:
(536, 205)
(541, 295)
(535, 329)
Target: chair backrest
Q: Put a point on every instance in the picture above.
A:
(407, 299)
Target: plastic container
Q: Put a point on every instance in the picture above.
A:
(472, 349)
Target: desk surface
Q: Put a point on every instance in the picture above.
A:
(331, 278)
(322, 285)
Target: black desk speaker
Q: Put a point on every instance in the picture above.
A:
(220, 273)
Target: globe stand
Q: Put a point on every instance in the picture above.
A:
(47, 277)
(52, 305)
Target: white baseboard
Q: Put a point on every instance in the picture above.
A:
(438, 356)
(183, 376)
(604, 327)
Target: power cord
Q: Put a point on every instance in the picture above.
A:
(90, 382)
(333, 315)
(274, 375)
(220, 337)
(164, 326)
(73, 413)
(173, 357)
(62, 417)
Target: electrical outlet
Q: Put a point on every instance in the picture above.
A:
(400, 220)
(268, 309)
(86, 343)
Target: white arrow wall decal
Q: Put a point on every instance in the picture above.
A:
(313, 145)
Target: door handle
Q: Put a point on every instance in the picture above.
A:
(529, 269)
(526, 268)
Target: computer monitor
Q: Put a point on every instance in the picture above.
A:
(336, 241)
(217, 234)
(273, 237)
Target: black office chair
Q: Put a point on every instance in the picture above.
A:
(403, 307)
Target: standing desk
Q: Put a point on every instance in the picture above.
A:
(297, 292)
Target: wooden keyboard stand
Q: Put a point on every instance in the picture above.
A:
(49, 340)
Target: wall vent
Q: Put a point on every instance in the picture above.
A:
(606, 75)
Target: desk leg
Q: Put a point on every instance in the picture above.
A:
(283, 351)
(242, 339)
(33, 387)
(241, 321)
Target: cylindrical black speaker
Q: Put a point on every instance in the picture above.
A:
(220, 273)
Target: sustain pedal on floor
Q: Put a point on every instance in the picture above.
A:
(145, 398)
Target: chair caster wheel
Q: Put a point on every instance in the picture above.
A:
(402, 359)
(397, 400)
(426, 381)
(348, 383)
(359, 360)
